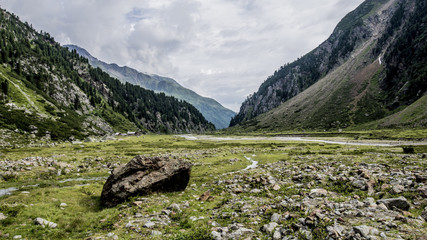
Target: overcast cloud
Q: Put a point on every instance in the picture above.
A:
(222, 49)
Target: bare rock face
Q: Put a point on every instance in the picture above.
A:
(142, 176)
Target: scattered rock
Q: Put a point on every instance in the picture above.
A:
(142, 176)
(2, 216)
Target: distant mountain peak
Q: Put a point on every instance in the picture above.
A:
(210, 108)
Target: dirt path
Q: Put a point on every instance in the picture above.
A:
(376, 143)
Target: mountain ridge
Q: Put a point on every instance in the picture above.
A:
(365, 83)
(210, 108)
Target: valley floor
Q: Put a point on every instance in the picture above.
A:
(240, 188)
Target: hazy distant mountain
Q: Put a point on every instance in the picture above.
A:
(49, 91)
(211, 109)
(373, 65)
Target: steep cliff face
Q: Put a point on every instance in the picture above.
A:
(371, 66)
(48, 90)
(354, 30)
(210, 108)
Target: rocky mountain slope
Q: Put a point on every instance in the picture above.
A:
(48, 91)
(213, 111)
(373, 65)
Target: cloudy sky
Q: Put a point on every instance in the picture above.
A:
(222, 49)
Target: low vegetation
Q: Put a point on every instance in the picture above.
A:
(62, 184)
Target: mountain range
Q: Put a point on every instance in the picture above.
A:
(213, 111)
(370, 73)
(47, 90)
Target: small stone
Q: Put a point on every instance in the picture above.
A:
(360, 184)
(2, 216)
(397, 189)
(149, 224)
(277, 235)
(370, 185)
(205, 196)
(174, 207)
(238, 189)
(137, 203)
(335, 231)
(45, 223)
(63, 205)
(112, 235)
(318, 192)
(306, 234)
(382, 206)
(269, 228)
(256, 190)
(384, 187)
(17, 237)
(156, 233)
(424, 214)
(276, 187)
(275, 217)
(216, 235)
(363, 230)
(364, 173)
(421, 178)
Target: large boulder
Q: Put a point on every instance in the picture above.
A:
(392, 203)
(144, 175)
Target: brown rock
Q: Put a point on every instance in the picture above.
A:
(420, 178)
(142, 176)
(206, 196)
(370, 184)
(364, 173)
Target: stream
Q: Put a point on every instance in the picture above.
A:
(9, 191)
(253, 165)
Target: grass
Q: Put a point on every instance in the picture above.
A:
(213, 161)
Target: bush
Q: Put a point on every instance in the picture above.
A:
(408, 149)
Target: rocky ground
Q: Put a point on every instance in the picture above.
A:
(296, 200)
(296, 191)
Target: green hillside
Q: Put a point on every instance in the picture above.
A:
(379, 73)
(48, 90)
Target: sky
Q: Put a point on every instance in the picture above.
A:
(223, 49)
